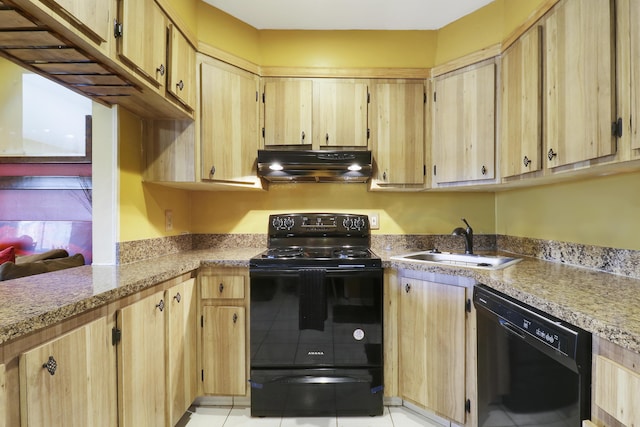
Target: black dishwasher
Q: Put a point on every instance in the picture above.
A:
(533, 369)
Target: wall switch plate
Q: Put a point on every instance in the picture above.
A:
(374, 221)
(168, 220)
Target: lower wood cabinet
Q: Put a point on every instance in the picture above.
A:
(3, 397)
(224, 334)
(68, 381)
(432, 353)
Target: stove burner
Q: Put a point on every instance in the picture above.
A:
(284, 253)
(350, 253)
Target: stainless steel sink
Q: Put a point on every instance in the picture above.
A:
(485, 262)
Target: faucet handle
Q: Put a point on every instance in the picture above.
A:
(465, 221)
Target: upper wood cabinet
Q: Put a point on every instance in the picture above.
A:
(463, 145)
(397, 132)
(579, 40)
(633, 67)
(91, 17)
(182, 68)
(70, 381)
(142, 39)
(229, 121)
(521, 92)
(340, 110)
(287, 111)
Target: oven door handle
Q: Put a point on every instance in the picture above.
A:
(316, 379)
(511, 329)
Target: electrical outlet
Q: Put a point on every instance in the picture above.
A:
(168, 220)
(374, 221)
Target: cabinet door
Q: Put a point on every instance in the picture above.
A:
(3, 397)
(69, 381)
(464, 125)
(223, 350)
(397, 132)
(143, 42)
(182, 67)
(222, 286)
(90, 16)
(579, 79)
(287, 111)
(182, 386)
(229, 123)
(634, 25)
(521, 119)
(432, 346)
(141, 363)
(340, 111)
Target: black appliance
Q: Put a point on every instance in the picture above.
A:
(292, 165)
(316, 318)
(533, 369)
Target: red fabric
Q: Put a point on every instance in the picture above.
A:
(8, 254)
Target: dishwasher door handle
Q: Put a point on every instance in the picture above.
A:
(511, 329)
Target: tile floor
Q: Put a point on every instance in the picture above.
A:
(394, 416)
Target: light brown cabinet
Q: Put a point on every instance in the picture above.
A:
(579, 74)
(432, 346)
(630, 11)
(141, 363)
(463, 145)
(287, 111)
(340, 110)
(3, 397)
(229, 121)
(91, 17)
(397, 133)
(181, 333)
(141, 33)
(182, 68)
(69, 381)
(224, 331)
(521, 92)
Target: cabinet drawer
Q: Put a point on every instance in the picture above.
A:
(222, 287)
(617, 390)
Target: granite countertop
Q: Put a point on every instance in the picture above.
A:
(604, 304)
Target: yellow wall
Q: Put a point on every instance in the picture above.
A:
(603, 211)
(417, 213)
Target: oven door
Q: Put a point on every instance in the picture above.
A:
(312, 318)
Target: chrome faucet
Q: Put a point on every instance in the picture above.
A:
(468, 236)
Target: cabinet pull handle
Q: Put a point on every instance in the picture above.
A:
(212, 171)
(160, 69)
(483, 170)
(384, 175)
(407, 288)
(221, 287)
(160, 305)
(526, 161)
(303, 135)
(327, 139)
(551, 154)
(235, 318)
(51, 365)
(180, 85)
(177, 297)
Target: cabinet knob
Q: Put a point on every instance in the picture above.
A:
(160, 69)
(407, 288)
(177, 297)
(51, 365)
(235, 317)
(180, 85)
(526, 161)
(483, 170)
(551, 154)
(384, 175)
(160, 305)
(221, 287)
(212, 171)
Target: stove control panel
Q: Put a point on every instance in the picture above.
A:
(301, 224)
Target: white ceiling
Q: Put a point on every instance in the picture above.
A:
(348, 14)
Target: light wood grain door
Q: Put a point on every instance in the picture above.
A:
(223, 343)
(69, 381)
(229, 123)
(90, 16)
(182, 68)
(397, 131)
(634, 27)
(182, 385)
(432, 355)
(464, 125)
(521, 118)
(287, 111)
(141, 363)
(143, 43)
(579, 82)
(340, 111)
(3, 397)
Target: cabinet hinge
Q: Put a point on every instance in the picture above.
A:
(202, 375)
(368, 98)
(616, 128)
(434, 97)
(424, 170)
(202, 321)
(434, 169)
(257, 96)
(425, 98)
(117, 29)
(263, 97)
(467, 305)
(116, 336)
(263, 133)
(368, 133)
(467, 406)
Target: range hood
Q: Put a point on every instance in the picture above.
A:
(314, 165)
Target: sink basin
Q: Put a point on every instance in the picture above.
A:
(485, 262)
